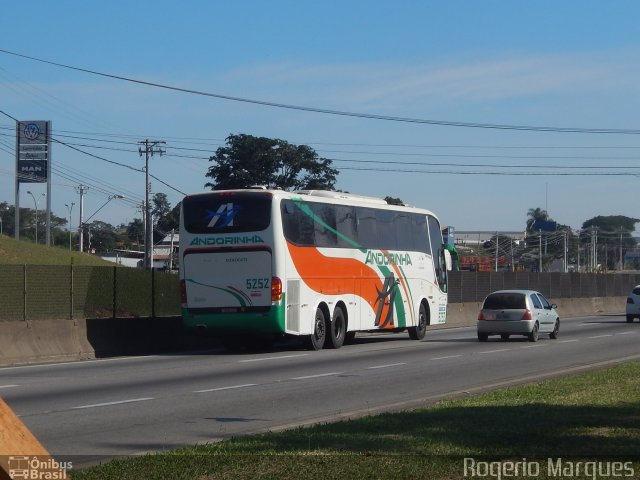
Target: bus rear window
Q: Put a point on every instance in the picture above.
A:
(227, 212)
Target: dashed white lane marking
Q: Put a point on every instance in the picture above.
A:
(231, 387)
(306, 377)
(9, 386)
(388, 365)
(602, 336)
(119, 402)
(496, 351)
(444, 358)
(273, 358)
(626, 333)
(568, 341)
(538, 345)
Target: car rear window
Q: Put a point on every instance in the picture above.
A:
(636, 291)
(505, 301)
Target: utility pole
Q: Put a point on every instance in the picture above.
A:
(497, 252)
(540, 251)
(621, 264)
(594, 249)
(566, 264)
(81, 189)
(151, 147)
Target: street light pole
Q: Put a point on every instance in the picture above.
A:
(35, 202)
(81, 227)
(111, 197)
(69, 208)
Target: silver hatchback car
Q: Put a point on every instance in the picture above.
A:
(517, 312)
(633, 304)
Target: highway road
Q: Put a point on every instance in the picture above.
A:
(122, 406)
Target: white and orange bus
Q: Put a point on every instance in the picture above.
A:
(318, 264)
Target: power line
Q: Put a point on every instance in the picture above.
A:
(444, 123)
(445, 172)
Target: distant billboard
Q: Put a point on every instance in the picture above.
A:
(544, 225)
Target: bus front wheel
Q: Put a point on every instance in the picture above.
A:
(316, 340)
(419, 331)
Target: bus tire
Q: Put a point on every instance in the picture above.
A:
(315, 341)
(419, 331)
(337, 330)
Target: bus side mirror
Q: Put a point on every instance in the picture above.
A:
(447, 260)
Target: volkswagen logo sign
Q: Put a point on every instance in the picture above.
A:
(31, 131)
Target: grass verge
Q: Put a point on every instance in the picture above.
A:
(14, 252)
(592, 418)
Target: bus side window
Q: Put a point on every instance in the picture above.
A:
(325, 225)
(298, 226)
(367, 231)
(386, 232)
(346, 226)
(402, 226)
(420, 234)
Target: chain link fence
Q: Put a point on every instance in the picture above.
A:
(475, 286)
(37, 292)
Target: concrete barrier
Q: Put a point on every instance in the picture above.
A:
(65, 340)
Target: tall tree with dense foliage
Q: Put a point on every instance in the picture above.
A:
(246, 160)
(536, 215)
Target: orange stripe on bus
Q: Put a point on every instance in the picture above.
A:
(337, 276)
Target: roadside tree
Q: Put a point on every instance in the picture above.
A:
(247, 160)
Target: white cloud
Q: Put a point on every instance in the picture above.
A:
(388, 85)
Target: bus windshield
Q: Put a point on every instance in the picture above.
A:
(227, 212)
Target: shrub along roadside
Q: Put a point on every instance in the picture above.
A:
(580, 426)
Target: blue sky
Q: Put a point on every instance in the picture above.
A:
(546, 63)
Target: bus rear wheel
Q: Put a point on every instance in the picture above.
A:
(419, 331)
(316, 340)
(337, 330)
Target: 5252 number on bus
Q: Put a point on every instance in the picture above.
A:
(258, 283)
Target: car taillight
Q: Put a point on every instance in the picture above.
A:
(527, 315)
(183, 292)
(481, 316)
(629, 300)
(276, 289)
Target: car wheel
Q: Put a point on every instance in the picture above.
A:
(482, 337)
(556, 330)
(504, 336)
(533, 336)
(629, 318)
